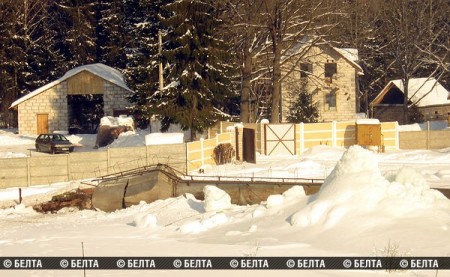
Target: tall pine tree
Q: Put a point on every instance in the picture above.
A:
(76, 37)
(197, 84)
(144, 23)
(111, 33)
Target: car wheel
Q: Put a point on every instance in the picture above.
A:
(53, 150)
(38, 149)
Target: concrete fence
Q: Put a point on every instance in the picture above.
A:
(428, 139)
(36, 170)
(335, 134)
(186, 157)
(340, 134)
(199, 153)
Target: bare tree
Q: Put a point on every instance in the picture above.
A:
(288, 22)
(417, 37)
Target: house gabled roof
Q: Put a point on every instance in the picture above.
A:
(422, 91)
(349, 54)
(103, 71)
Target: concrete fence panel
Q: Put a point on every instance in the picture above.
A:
(88, 164)
(431, 139)
(199, 153)
(318, 134)
(49, 169)
(13, 171)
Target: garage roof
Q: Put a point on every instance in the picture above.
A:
(103, 71)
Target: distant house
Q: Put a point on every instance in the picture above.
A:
(55, 106)
(428, 94)
(330, 74)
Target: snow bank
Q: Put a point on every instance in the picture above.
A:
(434, 125)
(367, 121)
(12, 155)
(145, 220)
(117, 121)
(7, 137)
(356, 187)
(164, 138)
(216, 199)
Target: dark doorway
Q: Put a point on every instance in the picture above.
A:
(85, 112)
(249, 147)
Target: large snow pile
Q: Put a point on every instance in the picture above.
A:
(356, 188)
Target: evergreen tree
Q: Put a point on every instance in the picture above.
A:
(197, 84)
(302, 107)
(144, 23)
(111, 30)
(76, 34)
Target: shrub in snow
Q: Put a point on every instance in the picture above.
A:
(145, 220)
(216, 199)
(224, 153)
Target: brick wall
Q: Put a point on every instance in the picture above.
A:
(343, 83)
(53, 102)
(114, 98)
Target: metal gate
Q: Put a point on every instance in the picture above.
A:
(280, 139)
(249, 145)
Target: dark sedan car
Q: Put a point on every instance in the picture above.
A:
(53, 143)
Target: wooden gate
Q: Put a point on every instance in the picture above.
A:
(42, 123)
(280, 139)
(249, 145)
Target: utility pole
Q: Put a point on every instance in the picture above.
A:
(161, 80)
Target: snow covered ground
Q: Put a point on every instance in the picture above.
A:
(371, 204)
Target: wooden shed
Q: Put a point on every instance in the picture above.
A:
(80, 97)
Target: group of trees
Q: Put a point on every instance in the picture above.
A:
(217, 58)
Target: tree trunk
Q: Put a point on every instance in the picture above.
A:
(246, 83)
(405, 100)
(276, 79)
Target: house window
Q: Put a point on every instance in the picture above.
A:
(305, 70)
(330, 101)
(330, 70)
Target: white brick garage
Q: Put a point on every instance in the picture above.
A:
(46, 109)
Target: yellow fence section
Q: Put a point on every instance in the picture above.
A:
(390, 135)
(341, 134)
(199, 153)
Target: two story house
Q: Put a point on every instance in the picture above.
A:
(330, 74)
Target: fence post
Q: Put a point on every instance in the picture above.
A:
(28, 172)
(428, 134)
(302, 137)
(202, 151)
(264, 122)
(108, 161)
(334, 134)
(68, 167)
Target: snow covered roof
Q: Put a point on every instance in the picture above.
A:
(422, 92)
(349, 54)
(103, 71)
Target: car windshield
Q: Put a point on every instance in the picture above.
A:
(59, 138)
